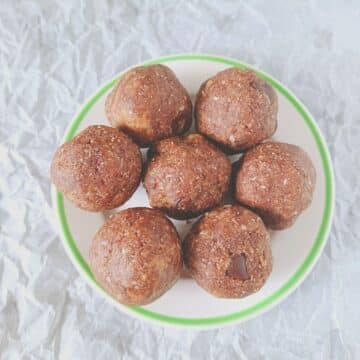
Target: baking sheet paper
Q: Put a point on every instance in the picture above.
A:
(53, 55)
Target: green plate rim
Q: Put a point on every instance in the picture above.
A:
(298, 276)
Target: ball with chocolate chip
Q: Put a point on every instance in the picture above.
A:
(99, 169)
(236, 109)
(136, 255)
(277, 180)
(149, 103)
(228, 252)
(185, 176)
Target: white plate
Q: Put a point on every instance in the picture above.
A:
(295, 250)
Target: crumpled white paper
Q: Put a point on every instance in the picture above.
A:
(53, 54)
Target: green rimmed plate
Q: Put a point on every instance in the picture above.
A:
(295, 250)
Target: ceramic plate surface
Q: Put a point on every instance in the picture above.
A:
(295, 250)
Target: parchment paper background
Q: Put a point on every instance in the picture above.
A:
(53, 55)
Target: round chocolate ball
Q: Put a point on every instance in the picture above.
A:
(228, 252)
(277, 180)
(186, 176)
(136, 255)
(236, 109)
(149, 103)
(99, 169)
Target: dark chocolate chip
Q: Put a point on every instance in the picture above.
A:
(237, 268)
(262, 85)
(269, 91)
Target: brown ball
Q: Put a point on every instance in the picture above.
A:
(99, 169)
(277, 180)
(186, 176)
(236, 109)
(228, 252)
(149, 103)
(136, 255)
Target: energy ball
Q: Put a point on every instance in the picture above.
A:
(236, 109)
(277, 180)
(228, 252)
(136, 255)
(149, 104)
(186, 176)
(99, 169)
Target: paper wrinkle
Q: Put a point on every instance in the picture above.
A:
(53, 55)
